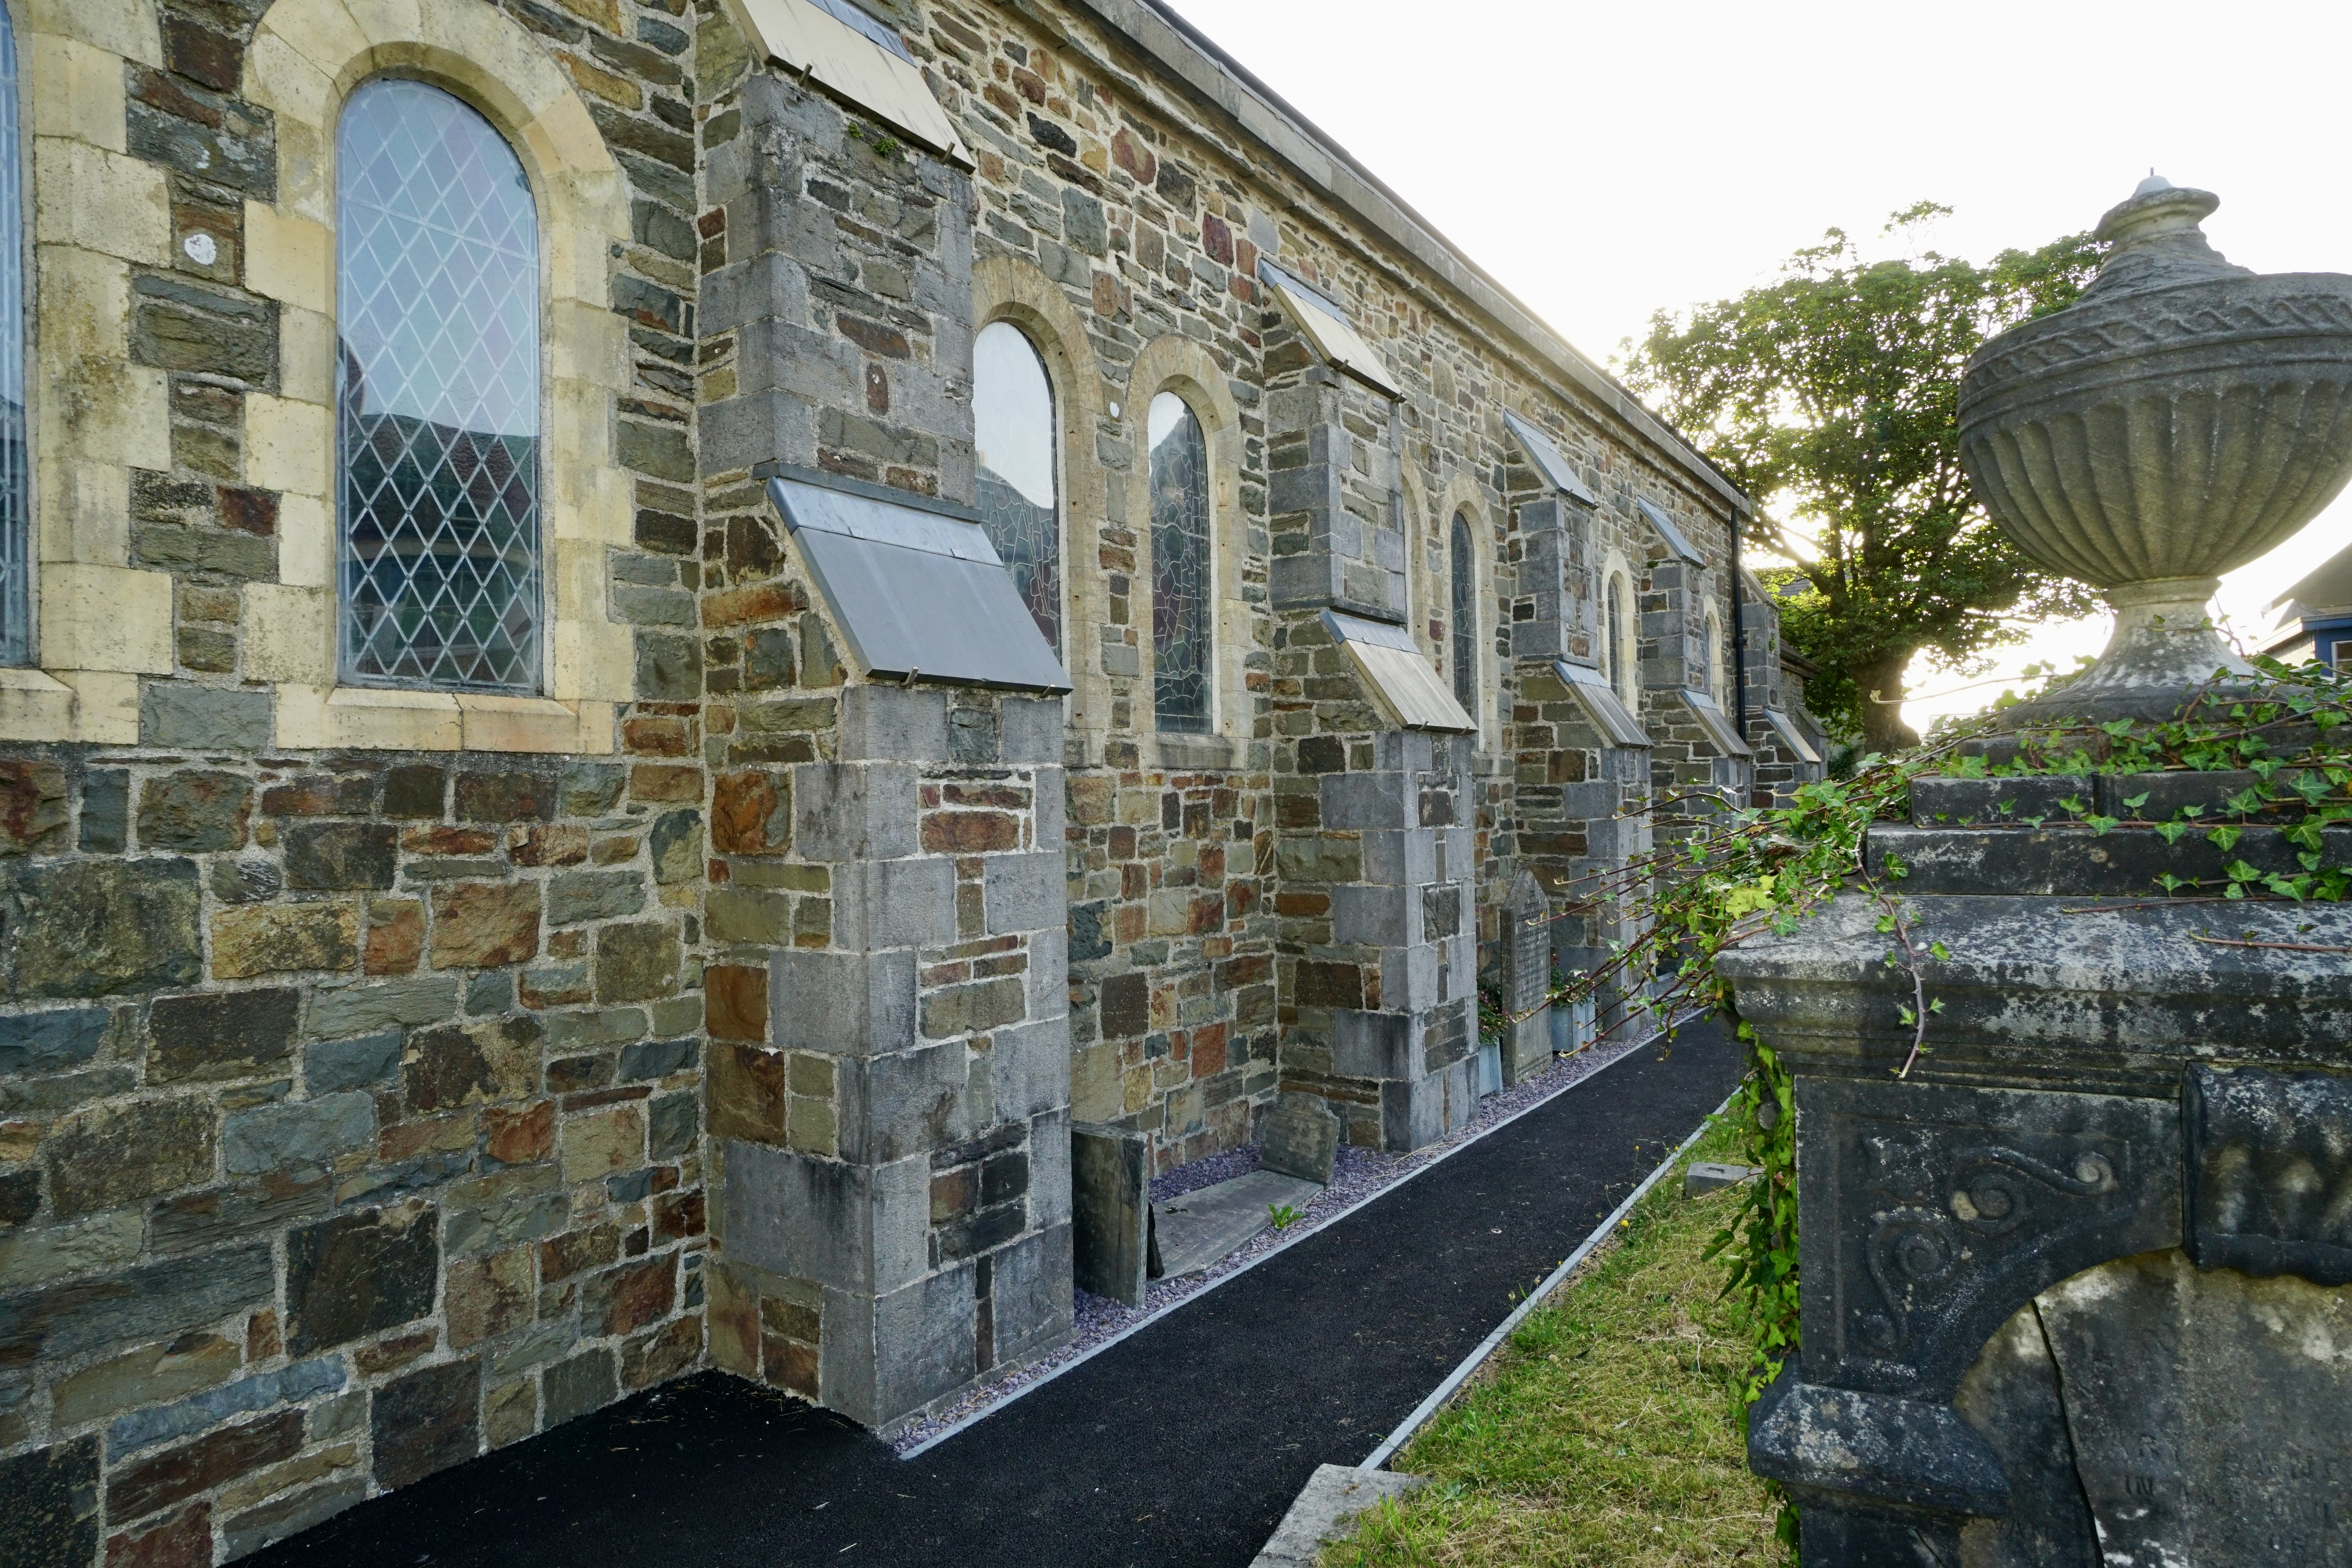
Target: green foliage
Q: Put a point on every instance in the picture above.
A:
(1832, 395)
(1283, 1215)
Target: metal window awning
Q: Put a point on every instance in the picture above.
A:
(916, 593)
(1669, 533)
(1790, 736)
(1398, 674)
(863, 65)
(1326, 330)
(1717, 723)
(1601, 704)
(1555, 470)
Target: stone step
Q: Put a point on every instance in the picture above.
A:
(1201, 1227)
(2075, 861)
(1949, 800)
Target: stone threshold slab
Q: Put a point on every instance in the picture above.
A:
(1202, 1226)
(1334, 1495)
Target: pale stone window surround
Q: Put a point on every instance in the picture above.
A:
(1623, 660)
(306, 58)
(1177, 365)
(99, 623)
(1008, 288)
(1463, 496)
(1717, 686)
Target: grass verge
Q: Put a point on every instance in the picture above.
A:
(1607, 1430)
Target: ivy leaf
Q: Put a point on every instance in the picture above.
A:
(1939, 950)
(2225, 838)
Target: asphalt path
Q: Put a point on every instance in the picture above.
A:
(1183, 1445)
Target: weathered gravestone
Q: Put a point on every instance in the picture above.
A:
(1526, 944)
(1302, 1139)
(2074, 1288)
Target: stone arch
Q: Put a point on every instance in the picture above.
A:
(306, 58)
(1010, 289)
(1178, 365)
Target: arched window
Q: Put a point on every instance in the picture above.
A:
(16, 458)
(1705, 671)
(1464, 608)
(437, 404)
(1621, 644)
(1711, 653)
(1012, 419)
(1179, 565)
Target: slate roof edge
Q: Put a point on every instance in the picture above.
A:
(1194, 59)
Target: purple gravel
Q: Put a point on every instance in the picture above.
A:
(1356, 1174)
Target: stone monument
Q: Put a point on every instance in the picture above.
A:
(2074, 1289)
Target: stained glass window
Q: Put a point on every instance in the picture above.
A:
(15, 462)
(1179, 565)
(1465, 617)
(1012, 415)
(438, 396)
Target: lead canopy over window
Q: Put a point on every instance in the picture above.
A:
(1179, 565)
(15, 458)
(1012, 419)
(437, 408)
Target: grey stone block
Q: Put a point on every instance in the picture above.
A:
(1029, 1067)
(333, 1065)
(845, 1003)
(1029, 1294)
(1356, 801)
(1372, 1045)
(204, 718)
(893, 723)
(917, 1340)
(362, 1009)
(50, 1042)
(1326, 1510)
(1398, 855)
(1109, 1179)
(1030, 731)
(1710, 1176)
(302, 1133)
(903, 1103)
(1373, 914)
(1025, 892)
(1049, 972)
(855, 811)
(1053, 807)
(1418, 1113)
(1049, 1169)
(853, 1227)
(894, 903)
(1302, 1139)
(973, 739)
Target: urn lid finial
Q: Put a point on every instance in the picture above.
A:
(2156, 241)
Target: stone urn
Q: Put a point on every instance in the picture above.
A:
(2180, 420)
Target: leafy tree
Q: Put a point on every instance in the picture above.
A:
(1831, 395)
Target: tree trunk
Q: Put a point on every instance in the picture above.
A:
(1879, 685)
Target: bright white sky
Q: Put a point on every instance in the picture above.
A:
(1604, 162)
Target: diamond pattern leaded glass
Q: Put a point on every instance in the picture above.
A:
(1180, 566)
(15, 475)
(1465, 618)
(1012, 419)
(438, 409)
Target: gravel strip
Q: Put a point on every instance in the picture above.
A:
(1356, 1174)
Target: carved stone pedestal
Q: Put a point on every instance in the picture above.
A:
(2079, 1281)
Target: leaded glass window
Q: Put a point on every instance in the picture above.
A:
(437, 409)
(1621, 653)
(15, 460)
(1465, 626)
(1012, 418)
(1179, 565)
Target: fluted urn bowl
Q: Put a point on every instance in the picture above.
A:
(2182, 419)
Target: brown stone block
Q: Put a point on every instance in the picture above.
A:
(185, 1365)
(278, 939)
(194, 810)
(509, 1413)
(395, 936)
(750, 814)
(679, 1215)
(970, 832)
(519, 1135)
(359, 1273)
(734, 1315)
(789, 1365)
(637, 962)
(516, 796)
(1322, 984)
(1208, 1048)
(735, 1002)
(262, 1339)
(468, 1064)
(547, 846)
(32, 807)
(104, 1156)
(746, 1091)
(741, 606)
(604, 1144)
(437, 840)
(624, 1300)
(966, 1009)
(390, 1355)
(164, 1478)
(662, 1354)
(659, 784)
(658, 736)
(182, 1541)
(1126, 1005)
(484, 1297)
(1093, 800)
(481, 925)
(577, 1251)
(439, 1135)
(425, 1422)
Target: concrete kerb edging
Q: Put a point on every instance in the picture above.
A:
(1443, 1391)
(1141, 1324)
